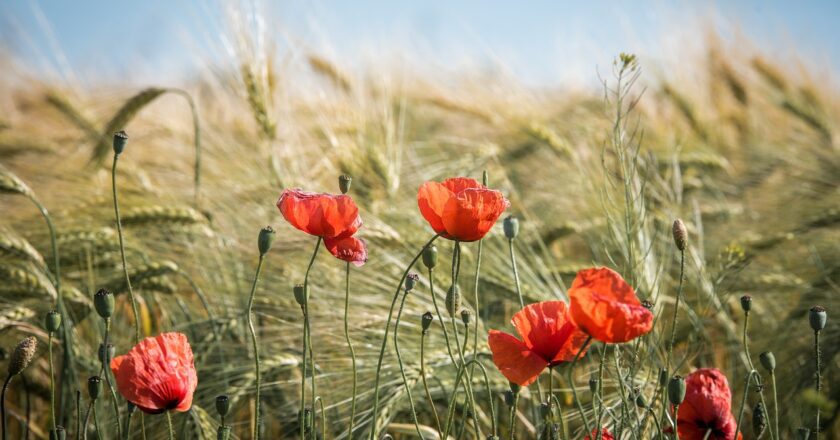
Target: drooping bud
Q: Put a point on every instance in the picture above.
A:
(223, 405)
(120, 141)
(103, 301)
(430, 257)
(817, 317)
(680, 234)
(746, 303)
(58, 433)
(676, 390)
(265, 239)
(768, 360)
(453, 300)
(510, 397)
(511, 227)
(52, 321)
(466, 317)
(106, 353)
(803, 433)
(426, 321)
(411, 281)
(94, 387)
(759, 420)
(301, 294)
(22, 355)
(344, 182)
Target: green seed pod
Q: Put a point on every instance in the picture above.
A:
(22, 355)
(676, 390)
(746, 303)
(344, 182)
(94, 387)
(120, 141)
(223, 405)
(58, 433)
(510, 397)
(103, 301)
(453, 300)
(768, 361)
(641, 402)
(466, 317)
(680, 234)
(759, 420)
(52, 321)
(515, 387)
(803, 433)
(511, 227)
(817, 318)
(223, 433)
(663, 377)
(426, 321)
(430, 257)
(411, 281)
(108, 351)
(301, 294)
(265, 239)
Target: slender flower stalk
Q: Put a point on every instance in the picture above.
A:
(430, 262)
(264, 241)
(84, 428)
(746, 305)
(120, 140)
(679, 237)
(169, 425)
(574, 389)
(817, 318)
(399, 356)
(52, 323)
(513, 415)
(426, 322)
(350, 346)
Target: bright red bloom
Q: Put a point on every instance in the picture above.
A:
(158, 374)
(605, 435)
(460, 208)
(549, 338)
(604, 306)
(706, 406)
(350, 249)
(319, 214)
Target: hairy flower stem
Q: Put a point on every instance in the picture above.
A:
(426, 383)
(513, 416)
(600, 391)
(353, 352)
(440, 317)
(744, 400)
(256, 348)
(674, 423)
(475, 307)
(169, 425)
(105, 370)
(84, 427)
(385, 337)
(574, 389)
(451, 408)
(402, 368)
(775, 403)
(817, 366)
(127, 430)
(676, 313)
(96, 423)
(752, 367)
(307, 349)
(456, 270)
(52, 381)
(134, 308)
(3, 403)
(518, 285)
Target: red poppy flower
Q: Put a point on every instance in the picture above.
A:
(706, 407)
(158, 374)
(319, 214)
(350, 249)
(549, 338)
(605, 435)
(604, 306)
(460, 208)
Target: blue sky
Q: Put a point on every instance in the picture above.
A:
(541, 42)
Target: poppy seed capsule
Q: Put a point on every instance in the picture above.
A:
(430, 257)
(511, 227)
(746, 303)
(768, 361)
(58, 433)
(466, 317)
(426, 321)
(676, 390)
(223, 405)
(680, 234)
(640, 400)
(411, 281)
(94, 387)
(817, 317)
(22, 355)
(110, 351)
(52, 321)
(120, 141)
(103, 301)
(301, 294)
(344, 182)
(265, 239)
(453, 300)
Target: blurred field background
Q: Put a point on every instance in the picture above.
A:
(736, 138)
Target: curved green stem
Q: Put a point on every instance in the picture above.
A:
(87, 420)
(106, 371)
(818, 367)
(96, 423)
(600, 393)
(134, 308)
(3, 404)
(350, 346)
(256, 348)
(52, 382)
(775, 404)
(308, 323)
(307, 349)
(744, 400)
(320, 402)
(426, 384)
(456, 270)
(752, 367)
(169, 425)
(674, 422)
(127, 430)
(513, 416)
(476, 306)
(440, 317)
(402, 368)
(574, 389)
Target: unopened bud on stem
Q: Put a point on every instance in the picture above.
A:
(680, 234)
(22, 355)
(344, 182)
(817, 317)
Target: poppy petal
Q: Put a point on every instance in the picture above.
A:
(604, 306)
(431, 198)
(547, 330)
(458, 184)
(472, 213)
(707, 404)
(319, 214)
(513, 358)
(350, 249)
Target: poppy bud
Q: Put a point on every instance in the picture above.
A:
(120, 140)
(58, 433)
(768, 360)
(510, 397)
(411, 281)
(466, 317)
(301, 294)
(515, 387)
(746, 303)
(223, 433)
(426, 321)
(817, 317)
(52, 321)
(223, 405)
(265, 239)
(511, 227)
(94, 387)
(759, 420)
(22, 355)
(430, 257)
(641, 402)
(453, 300)
(593, 385)
(110, 351)
(103, 301)
(663, 377)
(803, 433)
(344, 182)
(680, 234)
(676, 390)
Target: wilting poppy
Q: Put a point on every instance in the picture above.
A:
(460, 208)
(604, 306)
(706, 407)
(157, 374)
(605, 435)
(319, 214)
(350, 249)
(549, 338)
